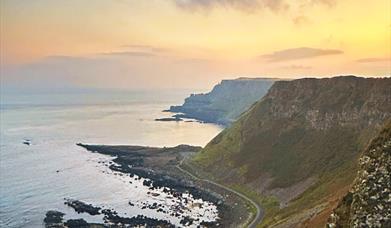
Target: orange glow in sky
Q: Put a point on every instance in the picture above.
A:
(186, 40)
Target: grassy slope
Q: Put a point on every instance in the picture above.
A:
(282, 137)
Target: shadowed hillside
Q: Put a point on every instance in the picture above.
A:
(297, 147)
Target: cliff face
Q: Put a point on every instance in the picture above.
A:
(368, 203)
(299, 143)
(343, 101)
(226, 101)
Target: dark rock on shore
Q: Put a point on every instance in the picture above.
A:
(187, 221)
(209, 224)
(136, 221)
(53, 219)
(81, 207)
(76, 223)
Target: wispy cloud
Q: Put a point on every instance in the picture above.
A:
(330, 3)
(301, 20)
(129, 53)
(137, 50)
(64, 58)
(296, 67)
(248, 5)
(299, 53)
(133, 68)
(373, 60)
(244, 5)
(145, 48)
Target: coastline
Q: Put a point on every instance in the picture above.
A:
(161, 166)
(253, 220)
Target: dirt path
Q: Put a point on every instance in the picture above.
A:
(258, 217)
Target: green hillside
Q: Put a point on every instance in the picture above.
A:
(299, 144)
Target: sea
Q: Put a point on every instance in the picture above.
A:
(41, 165)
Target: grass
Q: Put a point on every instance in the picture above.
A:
(330, 184)
(269, 204)
(300, 129)
(214, 152)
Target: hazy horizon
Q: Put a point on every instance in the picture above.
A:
(119, 113)
(127, 44)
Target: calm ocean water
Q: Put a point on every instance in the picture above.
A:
(29, 182)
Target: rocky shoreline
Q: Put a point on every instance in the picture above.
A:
(110, 217)
(157, 168)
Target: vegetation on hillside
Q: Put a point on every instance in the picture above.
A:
(301, 130)
(368, 203)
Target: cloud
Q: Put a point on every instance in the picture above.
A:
(64, 58)
(248, 5)
(194, 61)
(329, 3)
(301, 20)
(129, 53)
(374, 60)
(146, 48)
(244, 5)
(137, 50)
(296, 67)
(299, 53)
(117, 69)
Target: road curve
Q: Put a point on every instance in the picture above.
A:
(258, 217)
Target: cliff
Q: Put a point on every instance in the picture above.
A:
(368, 203)
(295, 150)
(226, 101)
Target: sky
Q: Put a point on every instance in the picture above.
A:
(168, 44)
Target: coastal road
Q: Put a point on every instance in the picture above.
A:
(258, 217)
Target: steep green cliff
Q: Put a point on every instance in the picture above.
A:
(299, 144)
(226, 101)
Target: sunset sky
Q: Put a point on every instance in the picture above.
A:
(137, 44)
